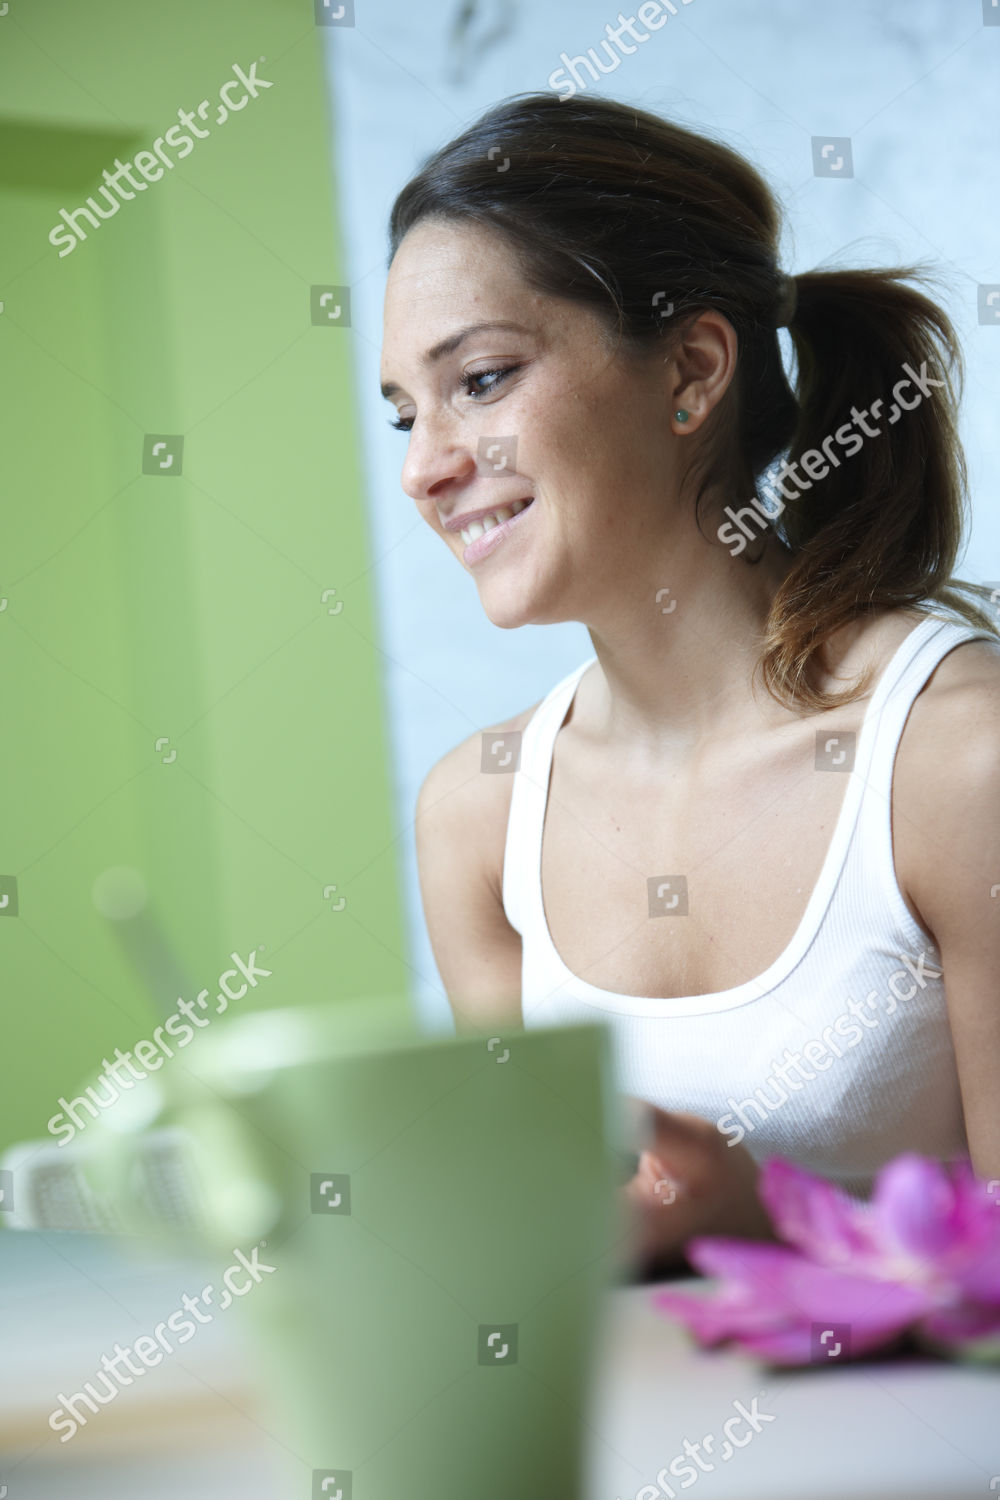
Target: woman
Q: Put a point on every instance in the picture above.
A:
(750, 871)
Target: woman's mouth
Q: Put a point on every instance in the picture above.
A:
(483, 536)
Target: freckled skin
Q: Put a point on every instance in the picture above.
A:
(570, 387)
(598, 448)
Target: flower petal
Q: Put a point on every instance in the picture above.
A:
(771, 1299)
(917, 1209)
(963, 1323)
(815, 1215)
(713, 1316)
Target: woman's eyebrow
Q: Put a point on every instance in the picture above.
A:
(452, 342)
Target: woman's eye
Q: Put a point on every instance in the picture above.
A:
(497, 376)
(470, 386)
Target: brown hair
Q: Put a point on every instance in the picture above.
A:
(615, 208)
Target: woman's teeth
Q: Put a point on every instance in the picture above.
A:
(495, 518)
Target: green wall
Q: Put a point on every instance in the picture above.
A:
(184, 605)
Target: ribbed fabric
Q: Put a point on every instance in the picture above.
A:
(883, 1077)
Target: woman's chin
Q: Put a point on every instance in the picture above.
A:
(508, 614)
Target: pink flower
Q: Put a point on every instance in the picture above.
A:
(923, 1255)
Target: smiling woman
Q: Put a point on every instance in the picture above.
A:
(581, 339)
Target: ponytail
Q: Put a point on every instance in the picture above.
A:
(879, 522)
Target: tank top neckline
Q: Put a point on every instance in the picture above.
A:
(805, 933)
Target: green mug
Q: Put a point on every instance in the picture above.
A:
(433, 1221)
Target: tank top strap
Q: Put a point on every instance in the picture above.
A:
(882, 729)
(908, 671)
(523, 846)
(914, 661)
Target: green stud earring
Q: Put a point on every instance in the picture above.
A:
(682, 415)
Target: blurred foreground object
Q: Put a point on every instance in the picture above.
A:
(422, 1211)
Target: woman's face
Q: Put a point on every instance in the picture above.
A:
(540, 409)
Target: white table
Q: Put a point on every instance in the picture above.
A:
(914, 1429)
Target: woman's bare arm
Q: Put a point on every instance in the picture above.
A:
(461, 825)
(947, 797)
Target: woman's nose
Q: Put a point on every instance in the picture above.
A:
(432, 460)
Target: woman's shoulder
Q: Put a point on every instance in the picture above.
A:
(946, 776)
(971, 666)
(466, 794)
(965, 682)
(954, 723)
(946, 790)
(947, 754)
(478, 762)
(488, 751)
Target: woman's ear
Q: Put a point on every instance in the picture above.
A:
(700, 367)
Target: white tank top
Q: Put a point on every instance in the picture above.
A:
(782, 1063)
